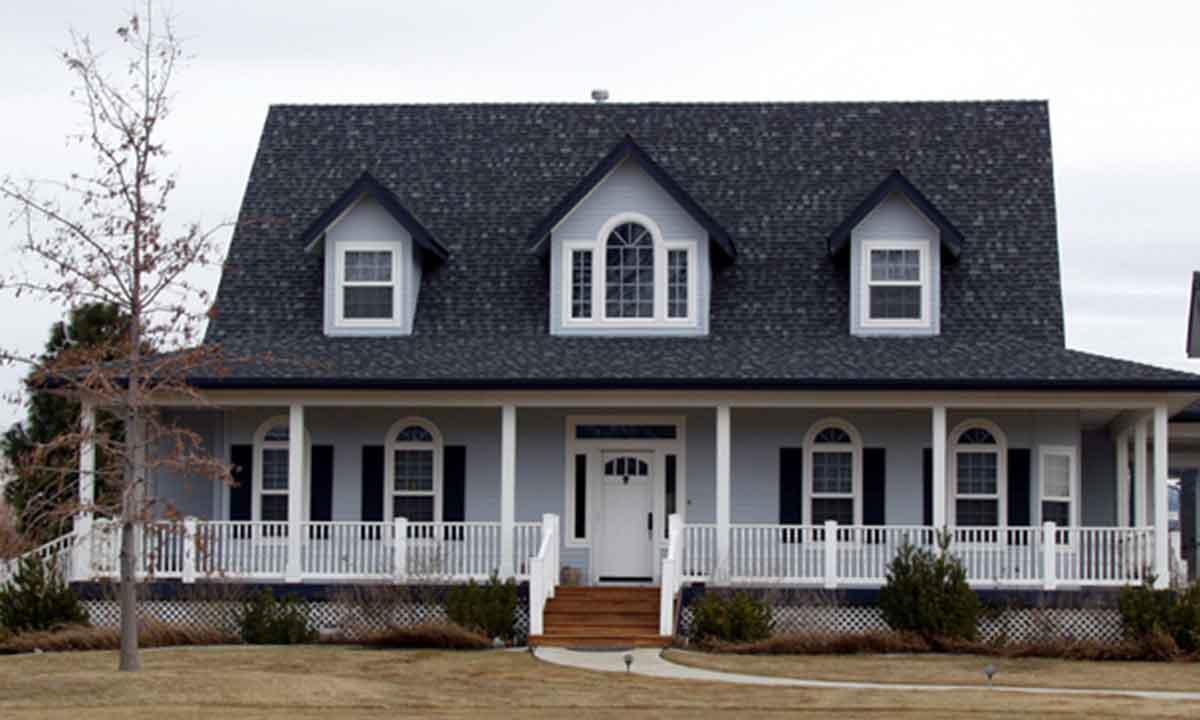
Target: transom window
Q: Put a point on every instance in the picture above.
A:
(368, 286)
(630, 277)
(896, 287)
(1058, 485)
(414, 471)
(833, 473)
(978, 464)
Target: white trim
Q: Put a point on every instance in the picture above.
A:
(260, 444)
(1001, 451)
(598, 246)
(854, 447)
(925, 282)
(1072, 455)
(436, 446)
(340, 284)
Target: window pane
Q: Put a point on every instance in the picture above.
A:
(891, 303)
(629, 273)
(840, 509)
(275, 469)
(414, 433)
(369, 266)
(274, 508)
(581, 495)
(1057, 482)
(977, 513)
(833, 435)
(279, 433)
(581, 284)
(1056, 512)
(414, 470)
(833, 472)
(625, 432)
(677, 284)
(369, 303)
(416, 509)
(896, 265)
(977, 473)
(670, 490)
(976, 436)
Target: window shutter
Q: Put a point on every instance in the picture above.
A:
(320, 507)
(454, 483)
(580, 509)
(791, 486)
(874, 485)
(240, 496)
(1020, 461)
(372, 483)
(927, 486)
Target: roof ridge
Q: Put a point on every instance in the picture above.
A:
(660, 103)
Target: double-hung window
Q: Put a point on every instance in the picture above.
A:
(978, 457)
(368, 279)
(834, 474)
(414, 471)
(895, 284)
(1058, 481)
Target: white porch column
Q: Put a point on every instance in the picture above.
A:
(939, 466)
(724, 472)
(1141, 475)
(508, 489)
(1123, 484)
(295, 491)
(81, 552)
(1162, 568)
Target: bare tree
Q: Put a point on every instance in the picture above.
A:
(101, 236)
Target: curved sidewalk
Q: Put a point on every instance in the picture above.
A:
(650, 663)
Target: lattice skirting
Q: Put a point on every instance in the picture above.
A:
(1016, 624)
(351, 620)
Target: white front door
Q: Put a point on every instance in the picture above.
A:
(628, 501)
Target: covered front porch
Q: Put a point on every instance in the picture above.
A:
(814, 490)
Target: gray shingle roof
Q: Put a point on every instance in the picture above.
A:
(779, 177)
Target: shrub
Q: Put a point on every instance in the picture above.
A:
(928, 594)
(1184, 619)
(825, 643)
(82, 637)
(263, 620)
(489, 608)
(36, 598)
(443, 636)
(1144, 610)
(725, 618)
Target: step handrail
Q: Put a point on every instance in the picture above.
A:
(672, 577)
(543, 574)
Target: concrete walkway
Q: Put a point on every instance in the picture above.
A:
(650, 663)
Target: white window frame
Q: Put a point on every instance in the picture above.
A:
(389, 474)
(340, 284)
(1072, 454)
(855, 447)
(260, 444)
(925, 283)
(598, 247)
(1000, 449)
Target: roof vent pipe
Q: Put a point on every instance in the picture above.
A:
(599, 95)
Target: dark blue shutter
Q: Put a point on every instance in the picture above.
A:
(874, 485)
(241, 494)
(320, 507)
(580, 496)
(1020, 461)
(791, 491)
(927, 486)
(454, 483)
(372, 483)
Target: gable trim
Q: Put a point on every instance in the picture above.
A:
(367, 186)
(895, 182)
(627, 148)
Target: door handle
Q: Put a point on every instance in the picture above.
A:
(650, 522)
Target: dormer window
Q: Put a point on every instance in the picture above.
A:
(647, 281)
(369, 288)
(896, 286)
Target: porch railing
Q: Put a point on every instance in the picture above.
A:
(543, 574)
(672, 576)
(833, 556)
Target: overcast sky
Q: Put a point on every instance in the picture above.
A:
(1122, 80)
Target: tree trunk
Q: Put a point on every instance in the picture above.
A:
(130, 658)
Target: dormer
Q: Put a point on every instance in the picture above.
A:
(630, 252)
(896, 241)
(375, 253)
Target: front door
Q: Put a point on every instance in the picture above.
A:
(628, 502)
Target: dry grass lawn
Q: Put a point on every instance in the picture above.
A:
(956, 670)
(344, 682)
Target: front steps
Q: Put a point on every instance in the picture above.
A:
(602, 617)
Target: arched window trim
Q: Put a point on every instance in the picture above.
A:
(854, 447)
(260, 444)
(662, 253)
(1000, 449)
(392, 445)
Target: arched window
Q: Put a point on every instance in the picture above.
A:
(272, 471)
(629, 272)
(979, 474)
(833, 473)
(413, 480)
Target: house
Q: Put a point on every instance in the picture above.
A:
(660, 345)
